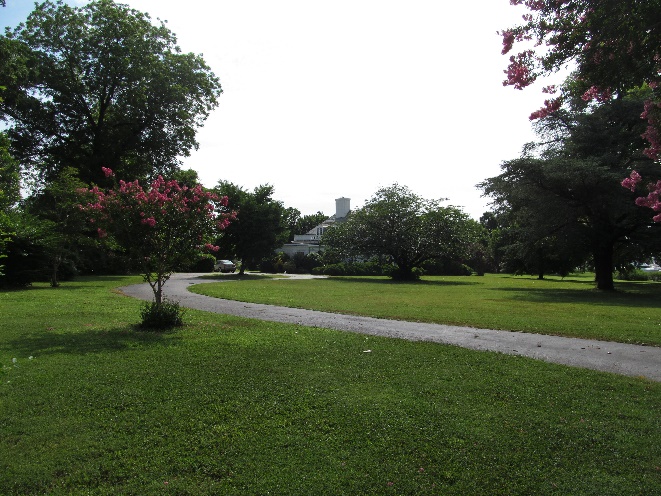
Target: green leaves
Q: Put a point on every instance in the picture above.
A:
(402, 227)
(100, 85)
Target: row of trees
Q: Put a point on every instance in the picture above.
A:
(102, 86)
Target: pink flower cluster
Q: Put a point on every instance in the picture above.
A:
(599, 94)
(652, 112)
(518, 71)
(550, 106)
(164, 202)
(652, 200)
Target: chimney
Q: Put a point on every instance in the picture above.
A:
(342, 207)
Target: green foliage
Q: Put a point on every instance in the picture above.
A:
(297, 264)
(308, 222)
(204, 263)
(158, 317)
(369, 268)
(398, 225)
(62, 226)
(259, 228)
(562, 200)
(633, 274)
(9, 176)
(9, 195)
(101, 85)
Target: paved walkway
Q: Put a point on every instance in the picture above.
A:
(625, 359)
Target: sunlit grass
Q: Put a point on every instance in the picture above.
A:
(238, 406)
(566, 307)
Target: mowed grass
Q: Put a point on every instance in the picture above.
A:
(565, 307)
(237, 406)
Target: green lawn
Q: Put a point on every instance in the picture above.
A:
(569, 307)
(236, 406)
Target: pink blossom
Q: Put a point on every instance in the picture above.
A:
(101, 232)
(508, 41)
(596, 93)
(150, 221)
(632, 181)
(550, 106)
(518, 72)
(107, 172)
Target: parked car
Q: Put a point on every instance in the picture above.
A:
(224, 266)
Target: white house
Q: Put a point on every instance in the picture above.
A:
(310, 242)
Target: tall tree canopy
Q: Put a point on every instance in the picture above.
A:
(614, 46)
(404, 228)
(100, 85)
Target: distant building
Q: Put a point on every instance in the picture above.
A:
(310, 242)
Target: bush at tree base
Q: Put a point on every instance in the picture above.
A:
(160, 317)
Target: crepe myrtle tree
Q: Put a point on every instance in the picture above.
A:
(613, 47)
(161, 227)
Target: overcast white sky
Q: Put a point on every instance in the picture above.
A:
(328, 99)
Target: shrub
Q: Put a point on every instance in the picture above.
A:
(370, 268)
(629, 274)
(159, 317)
(204, 263)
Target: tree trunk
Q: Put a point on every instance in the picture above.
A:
(158, 294)
(53, 277)
(603, 266)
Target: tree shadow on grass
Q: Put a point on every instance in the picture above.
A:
(88, 341)
(239, 277)
(393, 282)
(629, 297)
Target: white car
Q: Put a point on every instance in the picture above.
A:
(224, 266)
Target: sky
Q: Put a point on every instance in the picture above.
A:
(324, 100)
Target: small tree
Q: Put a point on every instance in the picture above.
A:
(162, 228)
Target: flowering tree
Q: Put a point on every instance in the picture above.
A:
(161, 228)
(615, 47)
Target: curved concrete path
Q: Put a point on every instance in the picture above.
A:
(625, 359)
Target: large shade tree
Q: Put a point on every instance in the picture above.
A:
(260, 225)
(9, 195)
(564, 197)
(399, 226)
(101, 85)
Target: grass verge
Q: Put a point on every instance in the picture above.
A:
(565, 307)
(236, 406)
